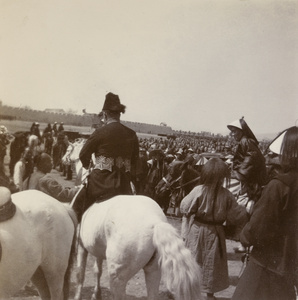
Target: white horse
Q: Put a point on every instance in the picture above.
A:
(71, 157)
(35, 244)
(132, 233)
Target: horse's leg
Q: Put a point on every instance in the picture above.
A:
(124, 263)
(98, 271)
(54, 273)
(40, 282)
(152, 278)
(81, 265)
(118, 273)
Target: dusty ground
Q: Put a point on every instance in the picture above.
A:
(136, 289)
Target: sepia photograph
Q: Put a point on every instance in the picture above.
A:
(149, 150)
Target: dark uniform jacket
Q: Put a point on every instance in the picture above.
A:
(116, 150)
(249, 166)
(273, 227)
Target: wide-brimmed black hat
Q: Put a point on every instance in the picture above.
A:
(112, 103)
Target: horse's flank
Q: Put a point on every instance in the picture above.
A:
(36, 245)
(132, 233)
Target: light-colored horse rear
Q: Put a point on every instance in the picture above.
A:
(36, 244)
(132, 233)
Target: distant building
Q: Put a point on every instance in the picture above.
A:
(87, 119)
(55, 110)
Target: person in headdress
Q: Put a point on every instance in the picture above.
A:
(59, 150)
(5, 138)
(141, 171)
(248, 162)
(34, 130)
(17, 147)
(55, 129)
(179, 155)
(48, 139)
(248, 167)
(25, 165)
(116, 151)
(272, 231)
(61, 127)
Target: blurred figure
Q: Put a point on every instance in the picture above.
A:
(48, 139)
(61, 127)
(17, 147)
(67, 171)
(48, 129)
(272, 270)
(141, 171)
(5, 138)
(25, 166)
(34, 130)
(59, 150)
(55, 129)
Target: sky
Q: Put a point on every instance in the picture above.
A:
(196, 65)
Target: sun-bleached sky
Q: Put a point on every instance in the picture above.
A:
(194, 64)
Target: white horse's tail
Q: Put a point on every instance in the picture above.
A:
(180, 271)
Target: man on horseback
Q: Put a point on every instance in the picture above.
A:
(248, 166)
(116, 151)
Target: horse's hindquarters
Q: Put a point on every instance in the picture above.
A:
(21, 254)
(40, 236)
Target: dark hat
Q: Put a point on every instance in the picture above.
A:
(112, 103)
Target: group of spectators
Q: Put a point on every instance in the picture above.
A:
(154, 153)
(23, 149)
(270, 227)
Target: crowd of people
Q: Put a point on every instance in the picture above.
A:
(235, 188)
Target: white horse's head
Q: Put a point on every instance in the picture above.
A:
(73, 151)
(72, 156)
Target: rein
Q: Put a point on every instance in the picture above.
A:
(187, 183)
(7, 210)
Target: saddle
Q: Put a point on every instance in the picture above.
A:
(8, 209)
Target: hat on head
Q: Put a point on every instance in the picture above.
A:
(180, 151)
(275, 145)
(8, 208)
(3, 130)
(236, 124)
(241, 124)
(4, 133)
(112, 103)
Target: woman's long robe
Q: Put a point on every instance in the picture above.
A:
(204, 234)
